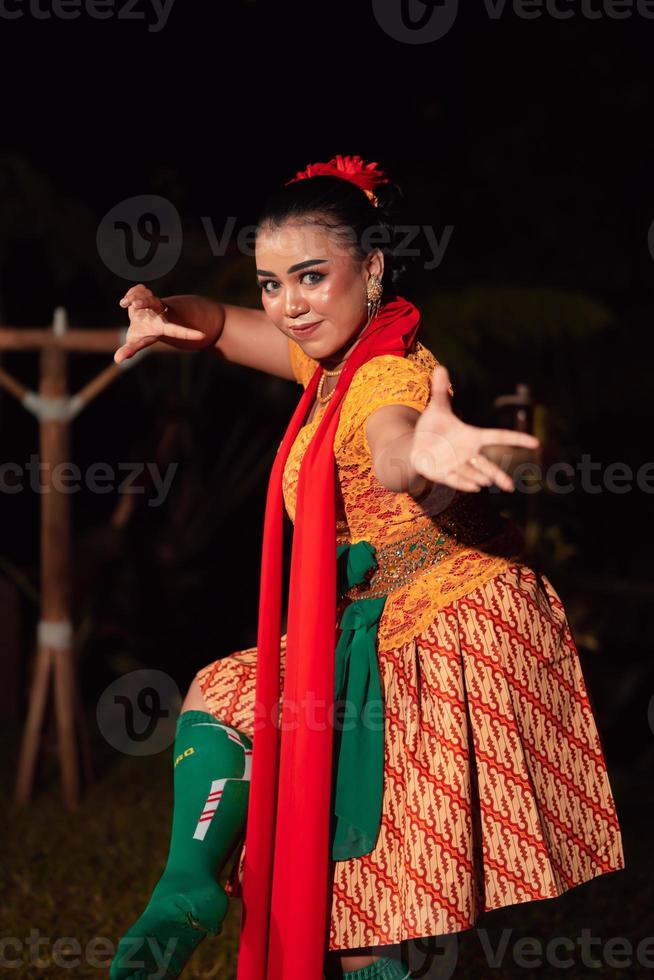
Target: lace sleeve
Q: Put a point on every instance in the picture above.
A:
(387, 380)
(303, 365)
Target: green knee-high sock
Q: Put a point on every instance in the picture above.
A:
(382, 969)
(212, 765)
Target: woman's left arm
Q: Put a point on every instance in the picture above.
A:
(411, 449)
(389, 431)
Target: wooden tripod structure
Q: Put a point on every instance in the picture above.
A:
(55, 408)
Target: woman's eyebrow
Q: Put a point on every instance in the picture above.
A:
(293, 268)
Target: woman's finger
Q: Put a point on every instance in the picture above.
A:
(147, 303)
(451, 478)
(184, 333)
(503, 480)
(461, 483)
(492, 472)
(133, 292)
(125, 352)
(128, 350)
(122, 354)
(508, 437)
(477, 471)
(126, 299)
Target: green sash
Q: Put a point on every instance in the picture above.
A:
(358, 761)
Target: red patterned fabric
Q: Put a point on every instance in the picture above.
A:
(496, 789)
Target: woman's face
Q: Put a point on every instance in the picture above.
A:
(308, 273)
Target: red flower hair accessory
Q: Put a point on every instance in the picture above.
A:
(352, 168)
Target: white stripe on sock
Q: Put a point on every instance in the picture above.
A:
(231, 734)
(217, 786)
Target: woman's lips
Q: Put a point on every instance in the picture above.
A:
(309, 329)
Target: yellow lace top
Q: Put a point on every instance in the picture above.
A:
(366, 510)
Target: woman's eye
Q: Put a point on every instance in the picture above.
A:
(320, 276)
(272, 282)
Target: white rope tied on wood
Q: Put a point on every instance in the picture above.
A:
(55, 633)
(47, 407)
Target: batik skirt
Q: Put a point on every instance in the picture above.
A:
(496, 790)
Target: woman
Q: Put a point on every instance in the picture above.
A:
(481, 782)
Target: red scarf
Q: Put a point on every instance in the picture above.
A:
(286, 886)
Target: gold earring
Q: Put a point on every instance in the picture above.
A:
(374, 290)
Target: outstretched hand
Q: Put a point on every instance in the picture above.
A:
(148, 323)
(448, 451)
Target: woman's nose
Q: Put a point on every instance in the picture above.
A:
(295, 305)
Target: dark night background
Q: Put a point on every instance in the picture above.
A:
(534, 140)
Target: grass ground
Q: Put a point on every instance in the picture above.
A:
(89, 874)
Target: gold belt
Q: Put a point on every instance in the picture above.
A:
(405, 559)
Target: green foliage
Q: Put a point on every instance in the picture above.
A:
(511, 318)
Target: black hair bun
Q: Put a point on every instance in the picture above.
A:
(390, 209)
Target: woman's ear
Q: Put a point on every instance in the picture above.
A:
(375, 263)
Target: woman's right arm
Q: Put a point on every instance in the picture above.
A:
(191, 322)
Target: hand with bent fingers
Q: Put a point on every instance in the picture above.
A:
(443, 445)
(148, 323)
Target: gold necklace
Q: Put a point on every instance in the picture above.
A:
(333, 374)
(330, 374)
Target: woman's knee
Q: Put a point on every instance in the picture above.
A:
(194, 700)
